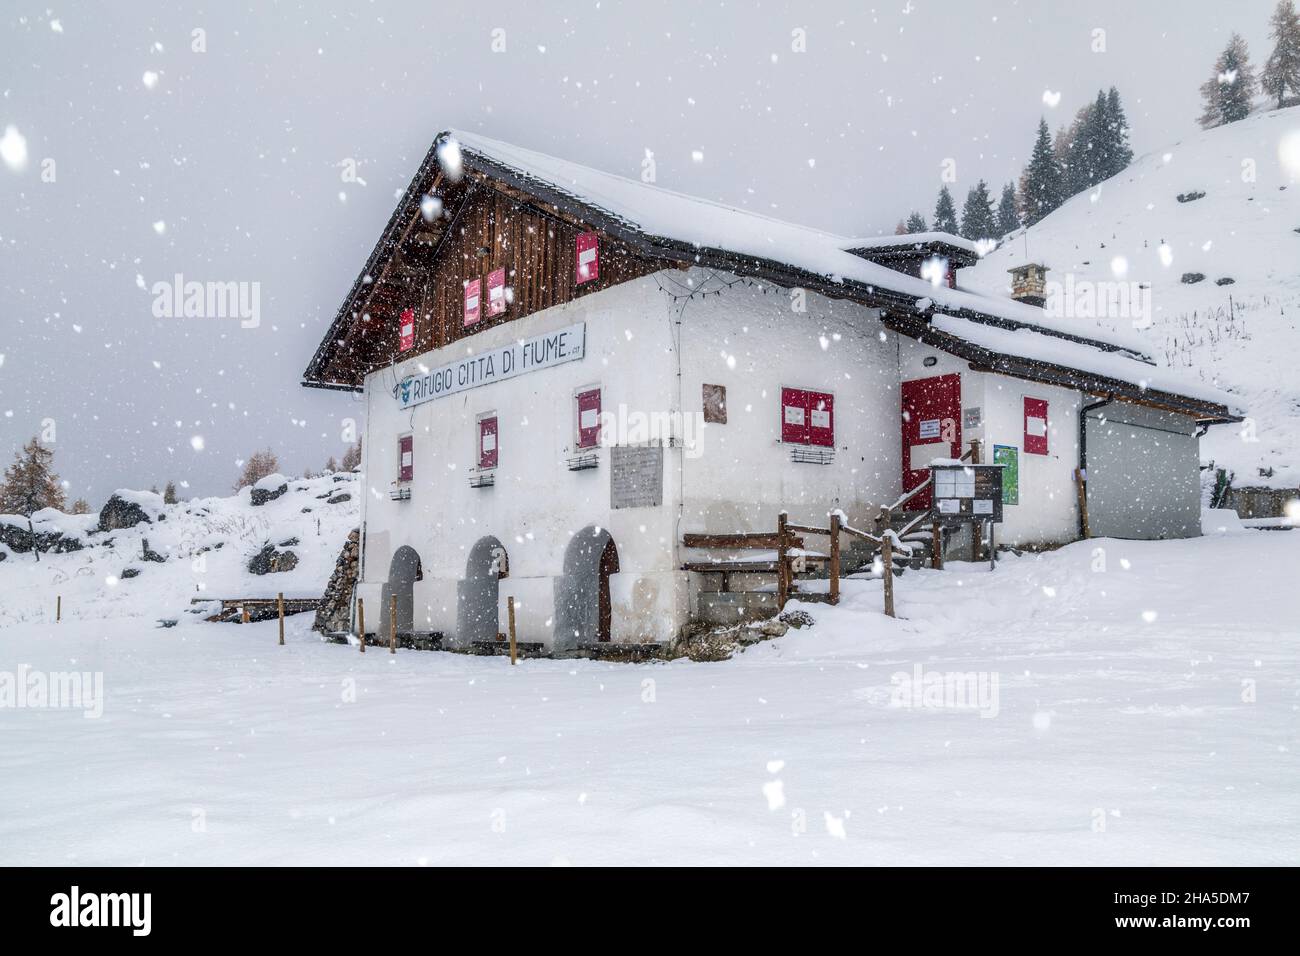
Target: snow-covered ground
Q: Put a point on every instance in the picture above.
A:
(1147, 712)
(1238, 222)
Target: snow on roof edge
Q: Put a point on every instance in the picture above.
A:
(1027, 344)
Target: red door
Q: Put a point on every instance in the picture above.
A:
(931, 416)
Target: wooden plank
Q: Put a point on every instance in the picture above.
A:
(730, 567)
(835, 558)
(806, 529)
(761, 540)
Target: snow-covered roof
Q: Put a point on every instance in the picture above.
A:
(911, 239)
(1142, 378)
(671, 219)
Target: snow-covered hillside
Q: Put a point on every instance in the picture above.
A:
(205, 545)
(1237, 224)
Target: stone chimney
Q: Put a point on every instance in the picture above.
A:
(1029, 283)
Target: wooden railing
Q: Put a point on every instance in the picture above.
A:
(885, 539)
(787, 537)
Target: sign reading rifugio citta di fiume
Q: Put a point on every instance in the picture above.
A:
(494, 365)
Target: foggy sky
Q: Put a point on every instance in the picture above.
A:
(239, 151)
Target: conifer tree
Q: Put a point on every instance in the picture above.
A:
(1118, 148)
(30, 483)
(169, 493)
(1040, 190)
(1008, 217)
(945, 213)
(1231, 87)
(977, 220)
(352, 457)
(916, 223)
(259, 465)
(1281, 76)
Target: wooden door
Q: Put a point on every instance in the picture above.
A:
(931, 416)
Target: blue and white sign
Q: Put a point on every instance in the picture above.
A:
(495, 365)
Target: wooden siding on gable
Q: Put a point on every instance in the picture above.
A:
(492, 230)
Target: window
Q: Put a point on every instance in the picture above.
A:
(405, 458)
(588, 403)
(1035, 426)
(487, 442)
(807, 417)
(715, 404)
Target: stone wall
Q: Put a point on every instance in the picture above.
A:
(335, 611)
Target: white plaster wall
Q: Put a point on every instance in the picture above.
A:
(1048, 512)
(537, 504)
(740, 475)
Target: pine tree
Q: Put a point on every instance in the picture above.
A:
(945, 213)
(1008, 218)
(1096, 142)
(1117, 133)
(900, 228)
(331, 466)
(80, 507)
(916, 223)
(352, 457)
(1040, 188)
(1231, 87)
(1062, 148)
(259, 465)
(1281, 74)
(169, 493)
(977, 220)
(30, 483)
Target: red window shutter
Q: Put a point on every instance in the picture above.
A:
(821, 419)
(406, 330)
(589, 418)
(487, 443)
(586, 265)
(794, 416)
(1035, 426)
(405, 458)
(807, 417)
(473, 291)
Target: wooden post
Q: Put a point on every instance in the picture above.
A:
(974, 451)
(361, 623)
(1081, 487)
(936, 546)
(782, 585)
(243, 618)
(58, 609)
(510, 611)
(279, 602)
(887, 556)
(392, 624)
(835, 557)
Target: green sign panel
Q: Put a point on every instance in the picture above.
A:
(1008, 456)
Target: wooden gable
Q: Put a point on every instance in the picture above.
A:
(483, 225)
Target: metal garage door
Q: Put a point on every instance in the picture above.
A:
(1143, 473)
